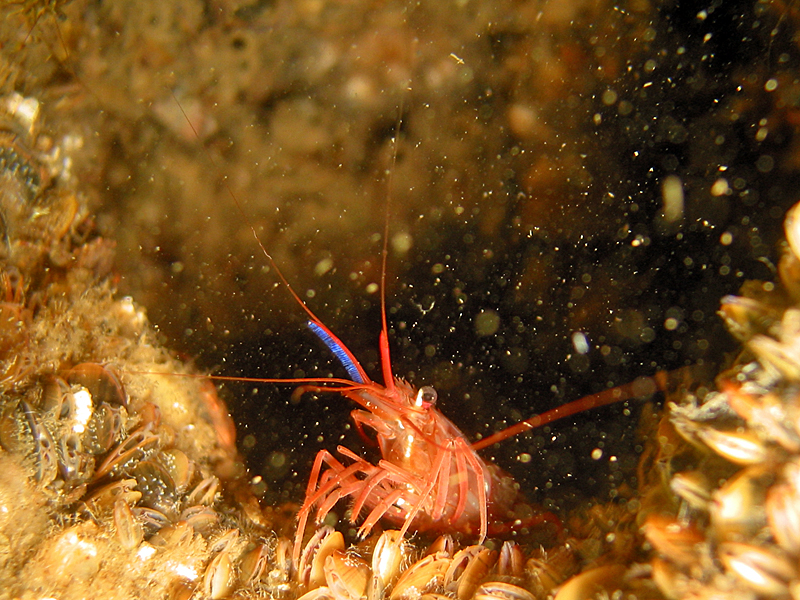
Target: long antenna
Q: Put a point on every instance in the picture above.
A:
(314, 319)
(386, 362)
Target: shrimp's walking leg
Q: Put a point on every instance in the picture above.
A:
(443, 487)
(334, 484)
(323, 456)
(409, 492)
(312, 495)
(345, 485)
(362, 418)
(442, 455)
(480, 475)
(375, 515)
(370, 483)
(463, 487)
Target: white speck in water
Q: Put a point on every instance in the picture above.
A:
(402, 242)
(672, 198)
(323, 266)
(580, 342)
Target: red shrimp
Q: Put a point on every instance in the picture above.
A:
(429, 476)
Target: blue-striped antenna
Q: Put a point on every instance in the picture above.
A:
(338, 350)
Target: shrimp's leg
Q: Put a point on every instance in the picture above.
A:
(326, 488)
(443, 487)
(378, 512)
(442, 455)
(346, 484)
(362, 418)
(329, 502)
(463, 487)
(480, 476)
(333, 482)
(323, 457)
(347, 453)
(370, 483)
(399, 475)
(360, 429)
(408, 492)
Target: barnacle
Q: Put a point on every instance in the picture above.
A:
(737, 534)
(107, 466)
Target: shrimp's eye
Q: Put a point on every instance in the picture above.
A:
(426, 395)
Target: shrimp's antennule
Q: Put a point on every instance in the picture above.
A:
(340, 351)
(354, 368)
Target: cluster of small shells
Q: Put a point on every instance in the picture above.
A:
(327, 571)
(728, 520)
(111, 475)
